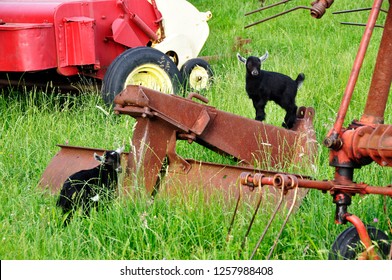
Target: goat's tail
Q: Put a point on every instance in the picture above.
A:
(300, 80)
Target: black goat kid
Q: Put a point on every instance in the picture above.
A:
(86, 187)
(263, 86)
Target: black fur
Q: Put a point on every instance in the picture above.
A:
(263, 86)
(86, 187)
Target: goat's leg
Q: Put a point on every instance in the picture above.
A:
(291, 116)
(259, 106)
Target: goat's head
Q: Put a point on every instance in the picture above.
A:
(253, 63)
(111, 158)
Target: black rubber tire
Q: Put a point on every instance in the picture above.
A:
(346, 244)
(115, 78)
(191, 65)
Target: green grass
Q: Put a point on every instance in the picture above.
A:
(33, 122)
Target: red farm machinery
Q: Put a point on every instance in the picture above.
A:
(163, 119)
(119, 42)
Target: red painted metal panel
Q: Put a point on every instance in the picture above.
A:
(79, 41)
(124, 34)
(27, 47)
(68, 44)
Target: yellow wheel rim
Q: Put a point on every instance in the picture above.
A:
(199, 78)
(151, 76)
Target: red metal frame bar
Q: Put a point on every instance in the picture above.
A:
(364, 236)
(280, 179)
(332, 140)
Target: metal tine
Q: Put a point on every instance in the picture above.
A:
(259, 188)
(269, 222)
(284, 223)
(358, 10)
(267, 7)
(235, 211)
(360, 24)
(279, 14)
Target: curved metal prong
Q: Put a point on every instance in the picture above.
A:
(253, 217)
(235, 213)
(269, 222)
(284, 223)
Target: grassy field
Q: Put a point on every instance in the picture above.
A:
(33, 122)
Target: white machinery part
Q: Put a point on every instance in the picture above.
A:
(185, 28)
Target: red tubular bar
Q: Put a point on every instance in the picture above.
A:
(248, 179)
(364, 236)
(330, 141)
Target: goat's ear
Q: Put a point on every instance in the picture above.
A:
(264, 57)
(98, 157)
(120, 150)
(240, 58)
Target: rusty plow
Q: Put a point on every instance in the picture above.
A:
(162, 120)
